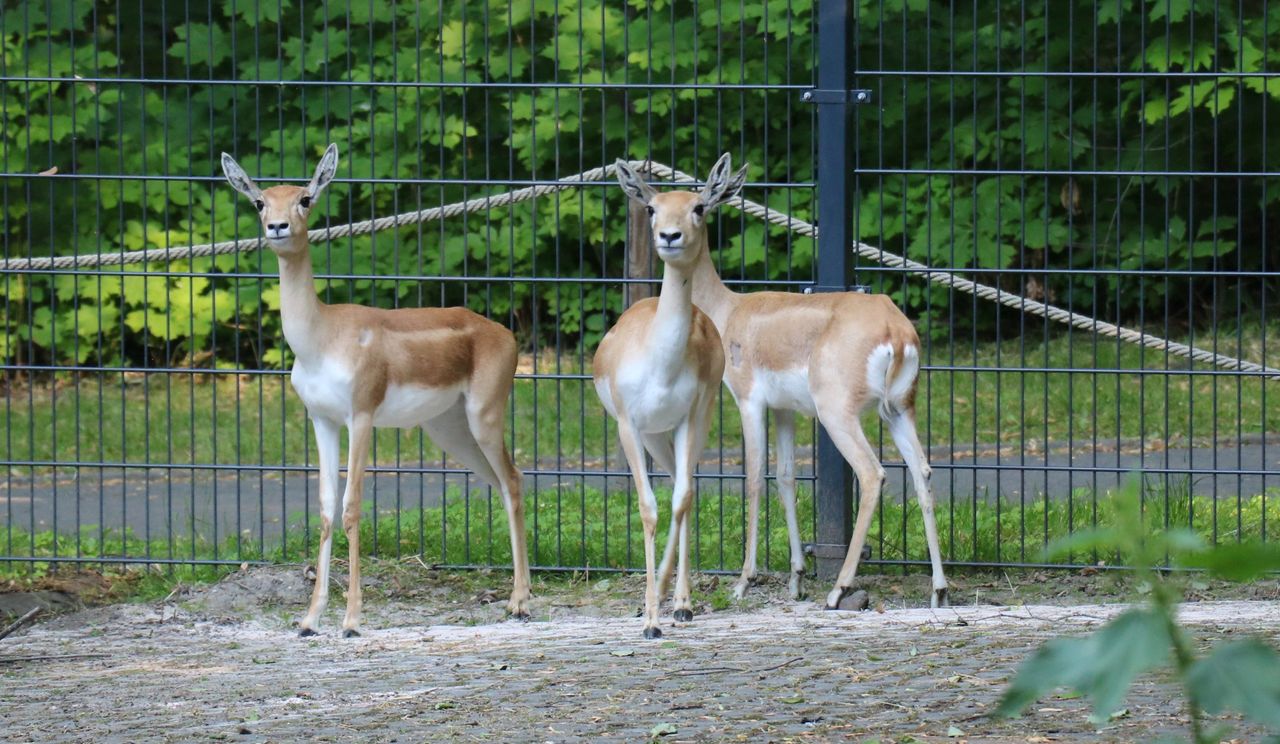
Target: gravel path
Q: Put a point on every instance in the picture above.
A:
(222, 663)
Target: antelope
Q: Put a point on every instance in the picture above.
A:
(657, 371)
(830, 355)
(447, 370)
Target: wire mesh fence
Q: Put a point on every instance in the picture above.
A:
(1108, 158)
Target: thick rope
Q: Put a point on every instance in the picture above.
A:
(754, 209)
(984, 291)
(315, 236)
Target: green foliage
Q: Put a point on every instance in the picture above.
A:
(1238, 561)
(1243, 676)
(422, 143)
(1091, 664)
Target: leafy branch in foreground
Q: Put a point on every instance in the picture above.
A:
(1243, 676)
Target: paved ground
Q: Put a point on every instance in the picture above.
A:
(258, 501)
(435, 664)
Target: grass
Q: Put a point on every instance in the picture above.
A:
(588, 528)
(257, 420)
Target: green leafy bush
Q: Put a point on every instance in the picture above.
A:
(407, 146)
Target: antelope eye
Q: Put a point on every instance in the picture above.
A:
(258, 204)
(699, 209)
(649, 209)
(305, 202)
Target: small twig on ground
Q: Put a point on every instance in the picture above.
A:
(50, 657)
(1085, 615)
(788, 662)
(11, 627)
(718, 670)
(1026, 616)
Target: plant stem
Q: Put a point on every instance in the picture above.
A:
(1184, 657)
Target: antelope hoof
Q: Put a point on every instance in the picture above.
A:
(940, 598)
(652, 633)
(837, 594)
(518, 608)
(350, 633)
(684, 615)
(745, 582)
(306, 632)
(519, 615)
(794, 586)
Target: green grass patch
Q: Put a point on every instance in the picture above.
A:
(999, 404)
(591, 529)
(258, 420)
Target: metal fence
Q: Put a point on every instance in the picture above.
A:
(1107, 158)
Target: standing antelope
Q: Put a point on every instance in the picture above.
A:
(657, 372)
(827, 355)
(447, 370)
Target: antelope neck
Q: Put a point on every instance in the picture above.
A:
(299, 306)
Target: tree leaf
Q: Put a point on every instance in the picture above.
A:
(1237, 561)
(1241, 675)
(1101, 665)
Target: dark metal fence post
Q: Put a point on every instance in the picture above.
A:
(835, 212)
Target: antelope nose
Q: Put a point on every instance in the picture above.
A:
(669, 237)
(277, 227)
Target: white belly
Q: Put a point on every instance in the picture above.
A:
(785, 389)
(325, 388)
(407, 407)
(654, 405)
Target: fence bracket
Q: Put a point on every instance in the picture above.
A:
(833, 551)
(818, 95)
(820, 288)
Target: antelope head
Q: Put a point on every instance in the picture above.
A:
(678, 218)
(284, 209)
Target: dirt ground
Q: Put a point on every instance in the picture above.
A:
(437, 662)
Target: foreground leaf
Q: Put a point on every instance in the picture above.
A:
(1243, 676)
(1101, 665)
(1238, 561)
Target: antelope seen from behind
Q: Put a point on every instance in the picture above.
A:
(447, 370)
(833, 356)
(657, 372)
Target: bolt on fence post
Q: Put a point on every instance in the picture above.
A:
(832, 495)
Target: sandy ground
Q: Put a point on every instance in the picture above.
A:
(437, 662)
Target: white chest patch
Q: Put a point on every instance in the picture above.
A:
(653, 404)
(324, 387)
(786, 389)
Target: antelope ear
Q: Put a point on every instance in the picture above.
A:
(325, 171)
(632, 184)
(238, 179)
(721, 184)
